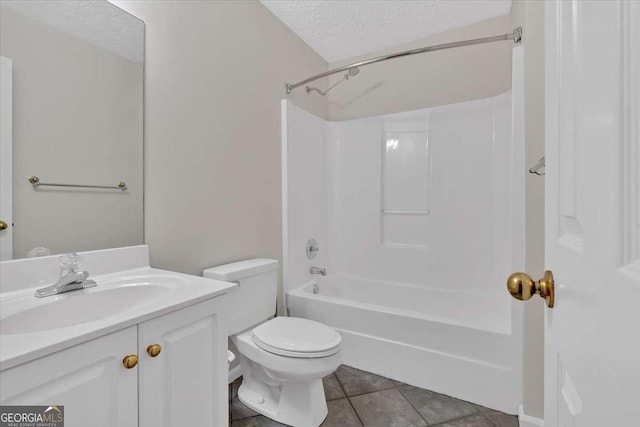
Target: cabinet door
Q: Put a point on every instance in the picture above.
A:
(186, 383)
(88, 379)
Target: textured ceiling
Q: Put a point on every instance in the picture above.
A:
(97, 22)
(343, 29)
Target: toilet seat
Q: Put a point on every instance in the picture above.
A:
(296, 337)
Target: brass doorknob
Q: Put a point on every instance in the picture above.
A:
(154, 349)
(130, 361)
(3, 225)
(521, 286)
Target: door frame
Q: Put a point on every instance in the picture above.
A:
(6, 157)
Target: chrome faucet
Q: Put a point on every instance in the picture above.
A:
(316, 270)
(70, 278)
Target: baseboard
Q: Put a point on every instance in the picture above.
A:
(235, 373)
(528, 421)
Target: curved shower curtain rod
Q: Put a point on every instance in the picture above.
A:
(516, 36)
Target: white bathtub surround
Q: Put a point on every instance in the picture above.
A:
(424, 197)
(304, 193)
(377, 215)
(419, 221)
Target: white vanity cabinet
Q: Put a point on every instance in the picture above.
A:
(185, 384)
(88, 379)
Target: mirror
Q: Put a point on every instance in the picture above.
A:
(71, 114)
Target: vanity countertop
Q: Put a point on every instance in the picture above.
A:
(33, 327)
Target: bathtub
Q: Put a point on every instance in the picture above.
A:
(461, 343)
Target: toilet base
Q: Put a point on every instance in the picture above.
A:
(293, 404)
(286, 389)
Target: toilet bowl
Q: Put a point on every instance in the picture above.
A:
(282, 383)
(283, 359)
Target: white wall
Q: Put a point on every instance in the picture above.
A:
(77, 118)
(214, 78)
(430, 79)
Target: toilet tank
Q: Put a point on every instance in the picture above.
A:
(254, 300)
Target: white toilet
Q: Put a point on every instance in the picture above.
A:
(283, 359)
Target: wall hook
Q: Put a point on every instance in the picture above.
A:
(538, 169)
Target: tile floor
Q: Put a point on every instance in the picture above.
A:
(357, 398)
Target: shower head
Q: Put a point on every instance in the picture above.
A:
(353, 71)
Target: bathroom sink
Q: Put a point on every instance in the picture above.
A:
(110, 298)
(128, 293)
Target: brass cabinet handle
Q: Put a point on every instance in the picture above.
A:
(130, 361)
(154, 349)
(3, 225)
(522, 287)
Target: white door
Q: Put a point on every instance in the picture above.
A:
(6, 180)
(89, 380)
(592, 354)
(183, 367)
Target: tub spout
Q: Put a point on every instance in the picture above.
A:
(316, 270)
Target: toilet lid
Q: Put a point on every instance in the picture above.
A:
(296, 337)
